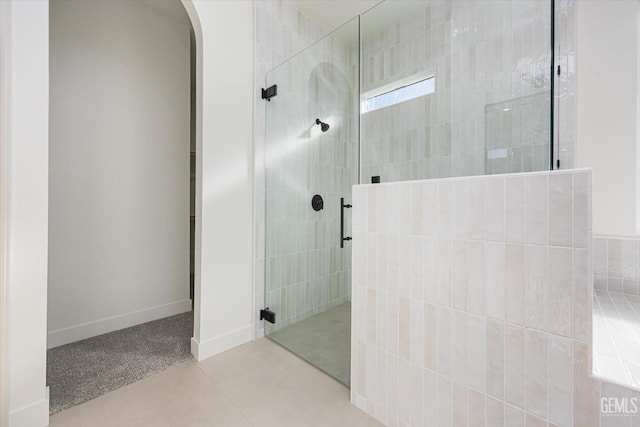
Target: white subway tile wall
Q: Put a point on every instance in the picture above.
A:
(515, 351)
(490, 112)
(616, 264)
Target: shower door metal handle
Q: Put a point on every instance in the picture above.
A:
(342, 236)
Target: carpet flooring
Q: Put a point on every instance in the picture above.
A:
(86, 369)
(324, 340)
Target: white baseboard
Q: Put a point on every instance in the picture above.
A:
(213, 346)
(98, 327)
(33, 415)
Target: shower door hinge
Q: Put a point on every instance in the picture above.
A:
(268, 315)
(558, 70)
(270, 92)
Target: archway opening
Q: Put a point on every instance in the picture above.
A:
(121, 184)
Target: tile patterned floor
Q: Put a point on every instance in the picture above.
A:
(324, 340)
(616, 337)
(256, 384)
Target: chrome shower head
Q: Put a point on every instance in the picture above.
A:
(323, 126)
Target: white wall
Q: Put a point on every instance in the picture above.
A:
(119, 167)
(224, 176)
(5, 163)
(606, 109)
(27, 141)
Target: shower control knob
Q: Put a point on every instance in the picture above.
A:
(317, 203)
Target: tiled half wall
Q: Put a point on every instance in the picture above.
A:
(471, 303)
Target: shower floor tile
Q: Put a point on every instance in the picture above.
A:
(324, 340)
(616, 337)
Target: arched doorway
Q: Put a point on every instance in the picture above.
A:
(119, 156)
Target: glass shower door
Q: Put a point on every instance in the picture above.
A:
(311, 162)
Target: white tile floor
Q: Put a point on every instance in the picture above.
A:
(616, 337)
(256, 384)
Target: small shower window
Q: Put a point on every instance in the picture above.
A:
(398, 94)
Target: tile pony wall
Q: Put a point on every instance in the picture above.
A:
(471, 304)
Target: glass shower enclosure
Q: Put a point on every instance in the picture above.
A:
(487, 109)
(311, 160)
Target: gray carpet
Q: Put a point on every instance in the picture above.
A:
(86, 369)
(324, 340)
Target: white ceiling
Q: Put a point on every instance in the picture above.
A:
(330, 14)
